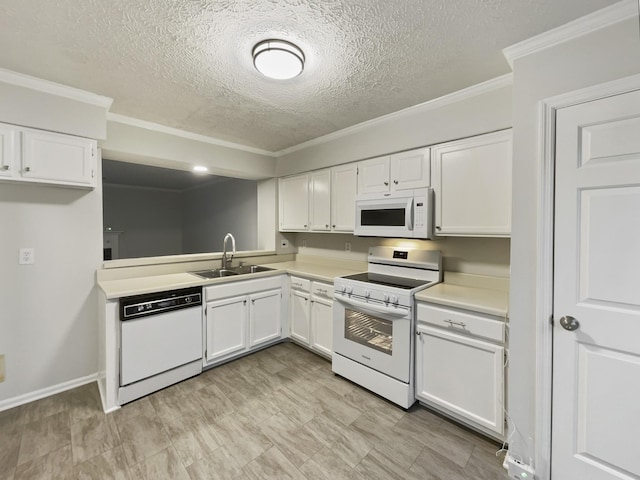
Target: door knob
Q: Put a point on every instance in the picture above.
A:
(569, 323)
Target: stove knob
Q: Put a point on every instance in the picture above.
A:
(394, 299)
(341, 288)
(385, 297)
(349, 290)
(367, 294)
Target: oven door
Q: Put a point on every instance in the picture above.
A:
(374, 335)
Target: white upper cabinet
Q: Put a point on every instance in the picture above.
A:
(294, 203)
(410, 170)
(400, 171)
(343, 197)
(8, 150)
(319, 201)
(472, 185)
(46, 157)
(373, 175)
(320, 204)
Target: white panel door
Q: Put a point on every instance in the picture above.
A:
(322, 325)
(58, 158)
(299, 318)
(320, 194)
(343, 197)
(8, 150)
(294, 203)
(265, 323)
(226, 327)
(596, 366)
(373, 175)
(410, 169)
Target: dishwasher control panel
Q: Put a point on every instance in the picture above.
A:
(160, 302)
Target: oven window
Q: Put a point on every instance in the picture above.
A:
(370, 331)
(383, 217)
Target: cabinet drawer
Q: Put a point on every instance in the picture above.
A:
(459, 321)
(322, 290)
(299, 283)
(244, 287)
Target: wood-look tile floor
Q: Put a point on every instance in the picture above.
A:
(277, 414)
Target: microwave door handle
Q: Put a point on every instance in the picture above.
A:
(408, 215)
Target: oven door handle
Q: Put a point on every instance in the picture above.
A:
(393, 311)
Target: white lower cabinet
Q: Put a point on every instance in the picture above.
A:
(460, 360)
(311, 315)
(241, 316)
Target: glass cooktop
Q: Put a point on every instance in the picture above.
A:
(387, 280)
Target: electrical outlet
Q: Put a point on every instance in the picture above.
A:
(347, 246)
(518, 470)
(1, 368)
(27, 256)
(284, 243)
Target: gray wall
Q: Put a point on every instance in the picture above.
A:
(48, 311)
(604, 55)
(210, 212)
(150, 220)
(419, 126)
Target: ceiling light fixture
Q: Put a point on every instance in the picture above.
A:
(278, 59)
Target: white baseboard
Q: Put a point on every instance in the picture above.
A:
(46, 392)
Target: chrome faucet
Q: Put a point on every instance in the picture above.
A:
(226, 261)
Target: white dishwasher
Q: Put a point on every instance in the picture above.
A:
(160, 341)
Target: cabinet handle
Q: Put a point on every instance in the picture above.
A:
(452, 323)
(395, 182)
(386, 183)
(438, 227)
(305, 225)
(419, 334)
(27, 169)
(326, 226)
(253, 301)
(333, 226)
(244, 302)
(5, 167)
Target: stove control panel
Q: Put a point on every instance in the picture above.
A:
(372, 294)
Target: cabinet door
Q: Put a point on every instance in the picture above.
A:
(410, 169)
(8, 150)
(373, 175)
(343, 197)
(226, 327)
(462, 375)
(299, 318)
(294, 203)
(265, 317)
(322, 326)
(472, 184)
(57, 158)
(320, 194)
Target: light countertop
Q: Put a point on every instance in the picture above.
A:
(125, 287)
(477, 293)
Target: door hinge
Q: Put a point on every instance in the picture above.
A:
(93, 151)
(357, 171)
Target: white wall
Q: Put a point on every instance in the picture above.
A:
(607, 54)
(150, 220)
(460, 115)
(480, 256)
(48, 311)
(211, 211)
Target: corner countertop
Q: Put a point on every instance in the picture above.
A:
(482, 294)
(315, 270)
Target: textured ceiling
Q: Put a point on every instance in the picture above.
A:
(187, 63)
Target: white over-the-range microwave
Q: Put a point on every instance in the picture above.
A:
(402, 214)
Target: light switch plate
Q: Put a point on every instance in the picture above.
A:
(27, 256)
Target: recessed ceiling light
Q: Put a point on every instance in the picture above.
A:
(200, 169)
(278, 59)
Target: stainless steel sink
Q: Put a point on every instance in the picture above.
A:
(244, 269)
(216, 273)
(241, 270)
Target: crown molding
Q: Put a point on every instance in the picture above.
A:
(57, 89)
(156, 127)
(460, 95)
(589, 23)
